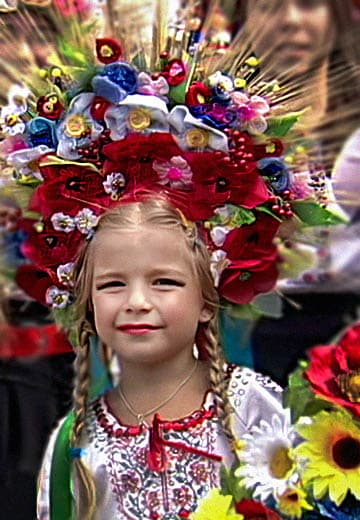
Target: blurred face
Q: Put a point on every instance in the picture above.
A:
(291, 34)
(146, 298)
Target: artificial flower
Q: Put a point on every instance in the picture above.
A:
(153, 86)
(11, 120)
(57, 298)
(254, 510)
(216, 506)
(137, 113)
(174, 72)
(193, 134)
(42, 132)
(198, 94)
(68, 188)
(293, 502)
(266, 461)
(175, 172)
(276, 171)
(222, 85)
(251, 111)
(108, 50)
(66, 274)
(78, 128)
(49, 106)
(26, 161)
(115, 184)
(116, 81)
(334, 371)
(33, 281)
(331, 448)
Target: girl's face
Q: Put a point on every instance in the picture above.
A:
(146, 297)
(291, 34)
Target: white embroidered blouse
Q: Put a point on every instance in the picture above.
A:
(160, 472)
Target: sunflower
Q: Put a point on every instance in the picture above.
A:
(266, 462)
(332, 450)
(216, 507)
(293, 502)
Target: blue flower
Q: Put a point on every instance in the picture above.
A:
(276, 171)
(115, 82)
(42, 131)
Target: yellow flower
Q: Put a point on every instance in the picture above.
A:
(293, 502)
(139, 119)
(332, 450)
(216, 507)
(197, 138)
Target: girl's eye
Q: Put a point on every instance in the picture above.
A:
(109, 285)
(168, 282)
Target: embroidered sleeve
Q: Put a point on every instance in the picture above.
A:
(254, 397)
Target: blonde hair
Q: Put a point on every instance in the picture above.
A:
(154, 211)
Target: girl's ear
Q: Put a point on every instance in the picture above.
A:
(206, 314)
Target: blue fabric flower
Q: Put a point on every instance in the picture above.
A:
(276, 171)
(116, 81)
(42, 132)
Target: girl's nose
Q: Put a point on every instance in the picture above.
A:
(138, 299)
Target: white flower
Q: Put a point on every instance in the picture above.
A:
(218, 234)
(25, 160)
(78, 129)
(114, 184)
(266, 465)
(11, 122)
(191, 133)
(57, 298)
(63, 222)
(136, 113)
(86, 221)
(218, 262)
(65, 274)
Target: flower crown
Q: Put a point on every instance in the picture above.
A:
(88, 136)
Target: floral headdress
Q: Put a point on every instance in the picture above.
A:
(97, 128)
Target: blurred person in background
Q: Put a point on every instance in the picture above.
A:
(36, 359)
(312, 48)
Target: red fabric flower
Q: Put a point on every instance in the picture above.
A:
(49, 248)
(69, 188)
(217, 179)
(50, 107)
(254, 510)
(33, 281)
(198, 94)
(175, 72)
(108, 50)
(253, 261)
(334, 370)
(99, 107)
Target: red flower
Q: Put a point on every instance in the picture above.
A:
(253, 261)
(49, 106)
(108, 50)
(99, 107)
(334, 371)
(253, 510)
(198, 94)
(69, 188)
(217, 179)
(49, 248)
(175, 72)
(34, 281)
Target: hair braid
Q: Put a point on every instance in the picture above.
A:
(87, 497)
(219, 380)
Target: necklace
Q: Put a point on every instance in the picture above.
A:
(141, 416)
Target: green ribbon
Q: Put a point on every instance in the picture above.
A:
(61, 498)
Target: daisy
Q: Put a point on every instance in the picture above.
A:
(332, 451)
(267, 464)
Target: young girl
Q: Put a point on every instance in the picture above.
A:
(152, 446)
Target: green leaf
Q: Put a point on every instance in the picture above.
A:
(280, 126)
(230, 484)
(312, 214)
(177, 94)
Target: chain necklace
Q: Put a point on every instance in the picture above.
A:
(141, 416)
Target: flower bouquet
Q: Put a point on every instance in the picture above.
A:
(307, 465)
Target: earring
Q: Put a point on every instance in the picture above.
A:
(195, 351)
